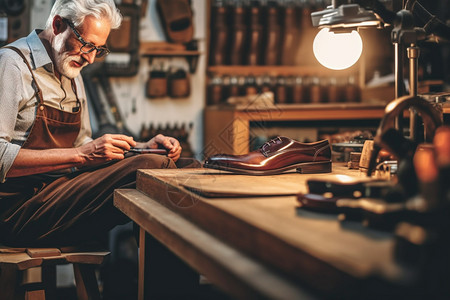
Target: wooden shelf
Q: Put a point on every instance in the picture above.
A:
(164, 49)
(173, 53)
(299, 108)
(227, 127)
(280, 70)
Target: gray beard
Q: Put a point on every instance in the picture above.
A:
(62, 64)
(62, 59)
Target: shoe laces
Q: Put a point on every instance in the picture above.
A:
(266, 145)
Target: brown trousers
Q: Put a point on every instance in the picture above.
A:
(76, 208)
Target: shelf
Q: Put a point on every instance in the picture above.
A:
(227, 127)
(164, 49)
(300, 111)
(174, 53)
(280, 70)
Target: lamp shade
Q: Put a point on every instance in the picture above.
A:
(344, 16)
(337, 51)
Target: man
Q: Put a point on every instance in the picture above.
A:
(57, 182)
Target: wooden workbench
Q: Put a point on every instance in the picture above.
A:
(256, 246)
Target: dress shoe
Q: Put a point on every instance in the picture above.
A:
(276, 156)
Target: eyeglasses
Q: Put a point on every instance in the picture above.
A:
(88, 47)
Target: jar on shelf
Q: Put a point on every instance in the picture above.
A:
(268, 83)
(242, 80)
(334, 90)
(226, 87)
(299, 90)
(215, 88)
(234, 88)
(281, 90)
(259, 83)
(250, 85)
(316, 89)
(352, 90)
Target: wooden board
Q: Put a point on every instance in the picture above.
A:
(338, 258)
(218, 186)
(222, 184)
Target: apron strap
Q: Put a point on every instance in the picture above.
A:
(75, 90)
(39, 91)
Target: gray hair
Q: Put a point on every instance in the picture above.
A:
(76, 10)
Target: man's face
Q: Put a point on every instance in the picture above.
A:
(68, 58)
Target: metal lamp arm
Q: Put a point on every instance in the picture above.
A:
(377, 7)
(432, 25)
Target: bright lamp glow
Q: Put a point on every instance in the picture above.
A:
(337, 51)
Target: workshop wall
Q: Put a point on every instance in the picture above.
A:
(139, 111)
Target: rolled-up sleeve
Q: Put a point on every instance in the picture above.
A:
(8, 153)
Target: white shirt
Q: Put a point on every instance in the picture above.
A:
(18, 102)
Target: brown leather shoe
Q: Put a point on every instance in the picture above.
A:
(277, 156)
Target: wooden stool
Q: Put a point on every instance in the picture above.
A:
(14, 261)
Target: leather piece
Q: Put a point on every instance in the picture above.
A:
(277, 155)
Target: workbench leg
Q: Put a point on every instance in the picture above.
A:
(165, 276)
(86, 282)
(141, 271)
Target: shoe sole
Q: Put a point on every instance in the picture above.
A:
(302, 168)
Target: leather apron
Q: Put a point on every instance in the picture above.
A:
(52, 128)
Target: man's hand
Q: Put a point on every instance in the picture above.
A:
(166, 142)
(106, 148)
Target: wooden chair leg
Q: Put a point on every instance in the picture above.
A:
(9, 278)
(12, 289)
(49, 281)
(34, 292)
(86, 282)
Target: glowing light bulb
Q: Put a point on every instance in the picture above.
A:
(337, 51)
